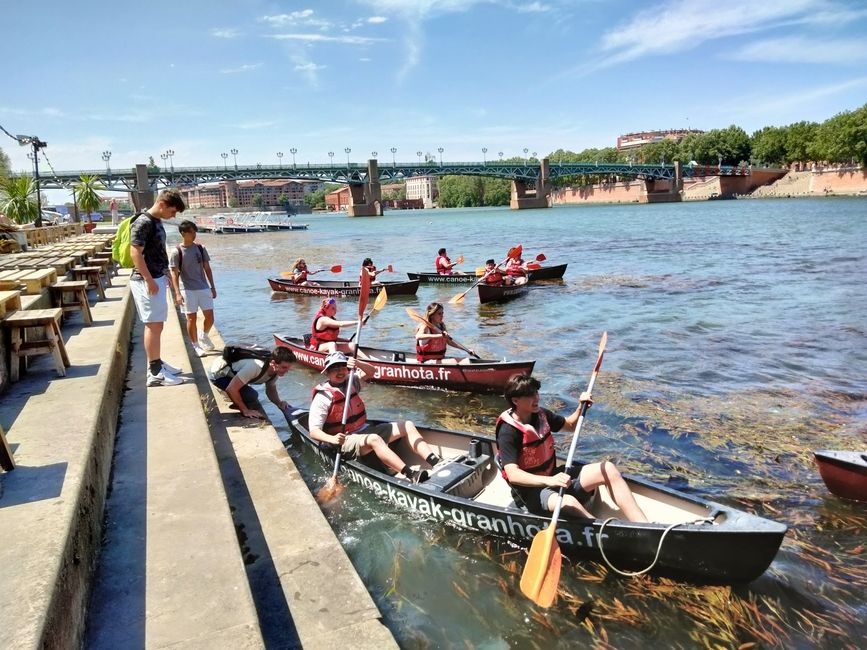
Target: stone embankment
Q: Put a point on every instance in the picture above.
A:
(210, 537)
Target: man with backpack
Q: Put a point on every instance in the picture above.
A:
(194, 286)
(147, 249)
(240, 368)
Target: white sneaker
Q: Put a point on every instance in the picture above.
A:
(199, 351)
(172, 370)
(205, 342)
(163, 378)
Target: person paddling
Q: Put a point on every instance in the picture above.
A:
(529, 464)
(516, 268)
(495, 277)
(444, 265)
(431, 343)
(371, 270)
(300, 274)
(357, 438)
(325, 330)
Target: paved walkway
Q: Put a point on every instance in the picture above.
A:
(189, 479)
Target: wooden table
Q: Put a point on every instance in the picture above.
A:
(9, 301)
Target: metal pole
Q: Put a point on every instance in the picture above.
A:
(38, 221)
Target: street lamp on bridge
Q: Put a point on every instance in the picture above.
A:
(234, 153)
(293, 151)
(440, 149)
(525, 154)
(373, 155)
(331, 155)
(535, 156)
(106, 156)
(418, 153)
(280, 159)
(348, 150)
(224, 155)
(484, 155)
(171, 154)
(165, 157)
(500, 154)
(719, 158)
(393, 152)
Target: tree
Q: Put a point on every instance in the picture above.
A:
(769, 146)
(232, 202)
(153, 168)
(4, 164)
(842, 139)
(459, 192)
(282, 199)
(496, 191)
(88, 189)
(317, 199)
(799, 137)
(258, 200)
(18, 199)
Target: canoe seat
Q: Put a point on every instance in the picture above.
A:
(307, 340)
(399, 356)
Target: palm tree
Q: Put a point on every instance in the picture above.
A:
(88, 189)
(18, 199)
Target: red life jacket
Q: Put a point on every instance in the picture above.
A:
(356, 418)
(318, 337)
(515, 269)
(495, 278)
(300, 276)
(537, 455)
(427, 349)
(443, 268)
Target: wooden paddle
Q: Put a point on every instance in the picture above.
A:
(541, 574)
(421, 319)
(332, 488)
(337, 268)
(512, 254)
(378, 304)
(460, 260)
(541, 257)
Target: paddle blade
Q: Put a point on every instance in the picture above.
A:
(516, 252)
(336, 268)
(541, 576)
(287, 274)
(381, 299)
(541, 257)
(330, 491)
(532, 266)
(460, 259)
(390, 270)
(457, 300)
(480, 270)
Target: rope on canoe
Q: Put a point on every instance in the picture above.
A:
(632, 574)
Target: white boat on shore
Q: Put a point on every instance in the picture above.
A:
(247, 222)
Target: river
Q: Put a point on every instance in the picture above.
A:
(736, 346)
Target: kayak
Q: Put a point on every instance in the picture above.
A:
(544, 273)
(695, 539)
(844, 472)
(396, 368)
(500, 293)
(343, 288)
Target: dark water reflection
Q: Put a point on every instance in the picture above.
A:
(736, 346)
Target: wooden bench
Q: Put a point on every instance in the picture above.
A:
(33, 281)
(92, 275)
(49, 321)
(60, 293)
(10, 301)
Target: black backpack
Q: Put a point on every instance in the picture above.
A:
(232, 353)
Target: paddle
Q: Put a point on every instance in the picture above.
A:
(332, 487)
(541, 257)
(512, 254)
(532, 266)
(379, 303)
(421, 319)
(460, 260)
(337, 268)
(541, 574)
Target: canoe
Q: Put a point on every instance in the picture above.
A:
(844, 472)
(500, 293)
(544, 273)
(395, 368)
(697, 540)
(343, 288)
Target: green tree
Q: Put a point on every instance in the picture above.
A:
(258, 200)
(232, 202)
(282, 199)
(4, 164)
(799, 138)
(769, 146)
(496, 191)
(842, 138)
(459, 191)
(153, 168)
(18, 199)
(317, 199)
(87, 189)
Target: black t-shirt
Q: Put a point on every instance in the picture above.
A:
(510, 442)
(148, 232)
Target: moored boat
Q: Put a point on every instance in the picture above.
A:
(555, 272)
(844, 472)
(690, 538)
(443, 279)
(500, 293)
(396, 368)
(343, 288)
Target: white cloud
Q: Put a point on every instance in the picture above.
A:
(254, 125)
(304, 17)
(247, 67)
(230, 32)
(377, 20)
(309, 70)
(322, 38)
(533, 7)
(803, 50)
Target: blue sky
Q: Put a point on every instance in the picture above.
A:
(203, 77)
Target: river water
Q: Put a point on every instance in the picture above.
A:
(736, 345)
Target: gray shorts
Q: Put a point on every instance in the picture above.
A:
(196, 299)
(351, 447)
(150, 308)
(575, 490)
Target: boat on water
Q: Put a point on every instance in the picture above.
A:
(501, 293)
(247, 222)
(690, 538)
(395, 368)
(844, 472)
(544, 273)
(343, 288)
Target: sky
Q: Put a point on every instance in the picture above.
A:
(203, 77)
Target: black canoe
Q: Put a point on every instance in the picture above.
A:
(706, 541)
(396, 368)
(544, 273)
(343, 288)
(500, 293)
(844, 472)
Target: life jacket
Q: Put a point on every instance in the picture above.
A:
(356, 418)
(300, 276)
(427, 349)
(537, 451)
(318, 337)
(444, 268)
(495, 278)
(515, 269)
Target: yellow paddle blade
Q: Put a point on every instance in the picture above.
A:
(541, 576)
(480, 270)
(286, 274)
(381, 299)
(457, 300)
(330, 491)
(460, 259)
